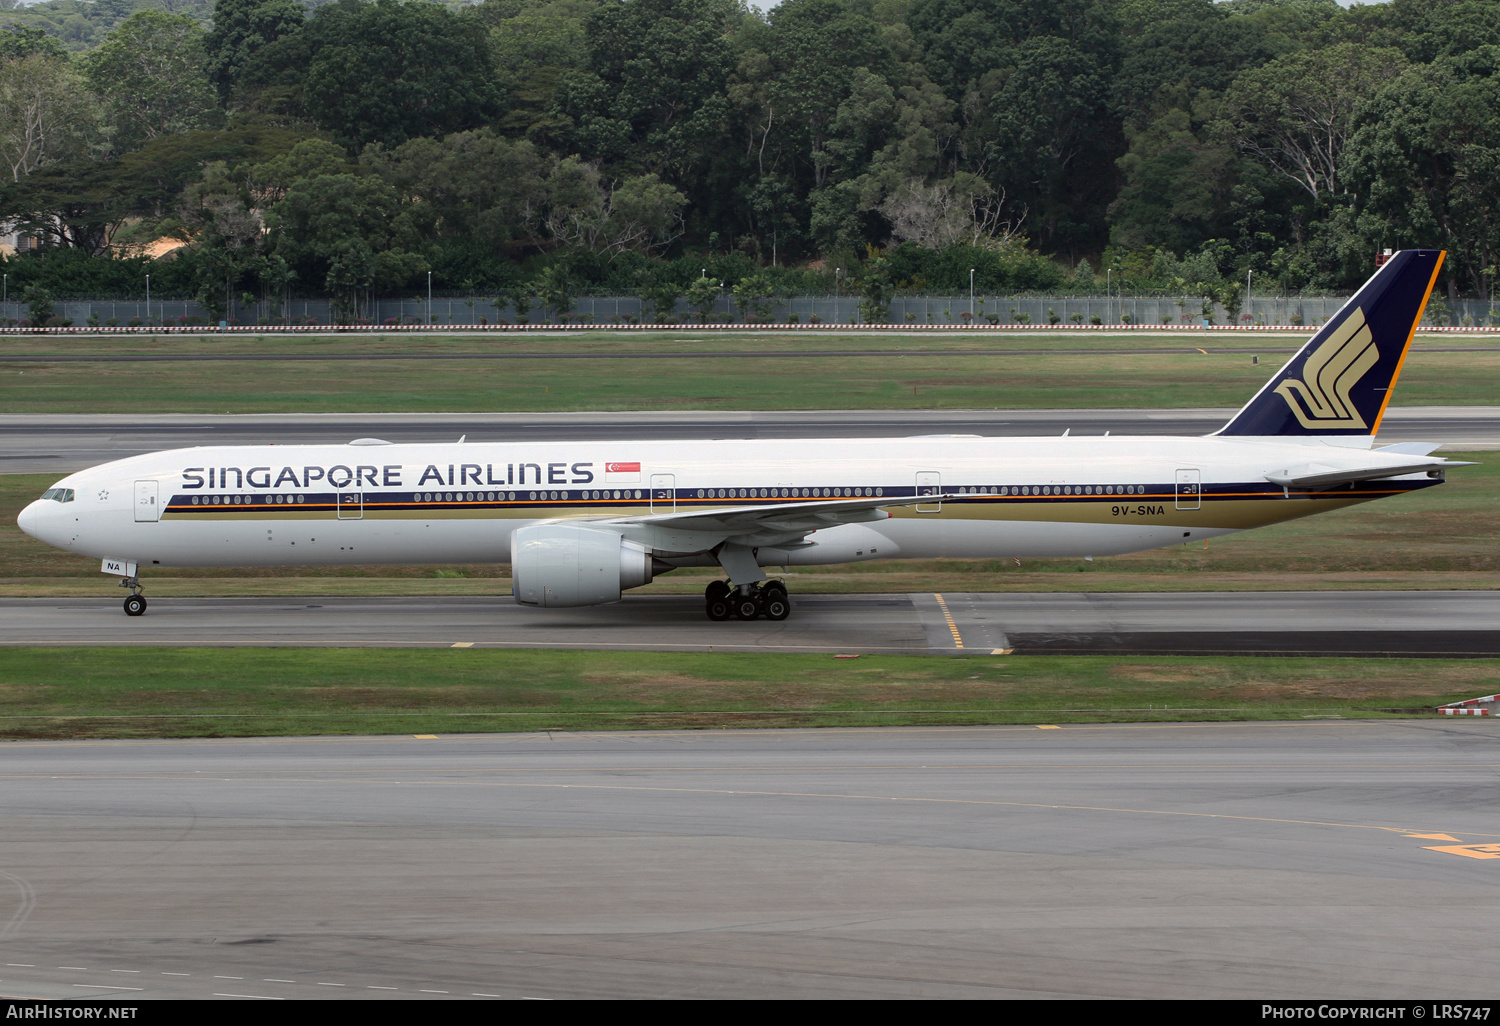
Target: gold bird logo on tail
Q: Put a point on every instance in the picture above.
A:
(1331, 371)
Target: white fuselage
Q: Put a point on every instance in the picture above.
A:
(460, 503)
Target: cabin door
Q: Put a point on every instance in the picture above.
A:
(1189, 489)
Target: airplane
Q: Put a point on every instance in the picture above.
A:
(581, 522)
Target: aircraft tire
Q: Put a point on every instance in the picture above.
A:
(719, 609)
(746, 607)
(716, 590)
(776, 607)
(135, 605)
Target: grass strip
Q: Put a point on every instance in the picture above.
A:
(913, 380)
(189, 692)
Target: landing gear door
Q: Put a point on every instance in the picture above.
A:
(147, 502)
(929, 482)
(1189, 489)
(663, 493)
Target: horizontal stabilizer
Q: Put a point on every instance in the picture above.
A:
(1317, 475)
(1411, 448)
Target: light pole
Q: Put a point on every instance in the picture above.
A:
(148, 297)
(971, 295)
(1109, 273)
(1248, 273)
(429, 298)
(838, 274)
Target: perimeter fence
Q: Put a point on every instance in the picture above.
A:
(913, 311)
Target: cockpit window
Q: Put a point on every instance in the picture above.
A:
(58, 494)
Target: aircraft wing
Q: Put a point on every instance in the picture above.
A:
(1318, 475)
(781, 518)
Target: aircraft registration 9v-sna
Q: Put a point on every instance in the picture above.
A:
(580, 522)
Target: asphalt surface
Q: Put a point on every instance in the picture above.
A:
(1428, 623)
(62, 443)
(1316, 860)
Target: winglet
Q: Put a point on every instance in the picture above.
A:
(1341, 381)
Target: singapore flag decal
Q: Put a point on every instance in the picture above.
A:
(622, 473)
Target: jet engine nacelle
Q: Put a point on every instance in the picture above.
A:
(574, 565)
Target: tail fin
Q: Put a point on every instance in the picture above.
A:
(1340, 382)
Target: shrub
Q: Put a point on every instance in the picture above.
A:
(39, 300)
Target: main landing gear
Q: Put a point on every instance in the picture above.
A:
(750, 602)
(135, 605)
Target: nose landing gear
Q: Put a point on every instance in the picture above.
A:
(135, 605)
(767, 600)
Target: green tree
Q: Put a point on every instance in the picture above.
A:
(702, 294)
(270, 180)
(520, 297)
(653, 96)
(877, 288)
(39, 303)
(554, 289)
(821, 51)
(351, 269)
(535, 43)
(755, 296)
(474, 185)
(21, 41)
(661, 293)
(1426, 153)
(388, 71)
(1179, 186)
(326, 220)
(1295, 114)
(1177, 50)
(218, 220)
(1050, 139)
(151, 74)
(641, 213)
(241, 29)
(46, 113)
(84, 204)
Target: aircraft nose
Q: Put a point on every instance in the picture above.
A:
(30, 518)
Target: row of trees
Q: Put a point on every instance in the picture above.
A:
(361, 144)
